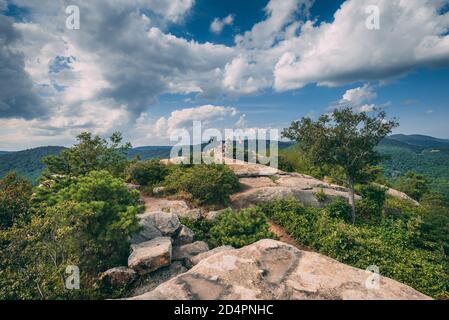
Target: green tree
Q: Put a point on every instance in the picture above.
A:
(83, 221)
(15, 196)
(413, 184)
(345, 139)
(147, 173)
(89, 154)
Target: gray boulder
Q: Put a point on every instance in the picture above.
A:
(151, 255)
(184, 236)
(166, 222)
(148, 232)
(189, 250)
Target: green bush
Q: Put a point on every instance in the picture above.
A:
(321, 196)
(373, 200)
(236, 229)
(200, 228)
(15, 196)
(239, 229)
(84, 221)
(147, 173)
(389, 244)
(205, 184)
(340, 208)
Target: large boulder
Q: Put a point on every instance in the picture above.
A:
(166, 222)
(273, 270)
(118, 277)
(148, 231)
(149, 256)
(189, 250)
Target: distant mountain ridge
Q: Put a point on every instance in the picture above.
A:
(420, 153)
(416, 140)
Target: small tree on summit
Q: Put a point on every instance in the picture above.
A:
(345, 139)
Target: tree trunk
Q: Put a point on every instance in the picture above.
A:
(352, 197)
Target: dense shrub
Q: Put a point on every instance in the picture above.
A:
(236, 229)
(239, 229)
(84, 221)
(147, 173)
(205, 184)
(339, 208)
(373, 200)
(389, 244)
(15, 195)
(199, 227)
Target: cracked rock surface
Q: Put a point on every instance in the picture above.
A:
(270, 269)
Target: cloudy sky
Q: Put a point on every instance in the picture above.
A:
(148, 67)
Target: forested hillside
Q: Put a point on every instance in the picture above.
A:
(417, 155)
(26, 163)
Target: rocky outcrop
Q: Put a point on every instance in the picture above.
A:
(271, 270)
(117, 277)
(401, 195)
(151, 255)
(152, 280)
(179, 207)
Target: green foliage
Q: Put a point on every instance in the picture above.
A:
(321, 196)
(147, 173)
(205, 184)
(84, 221)
(236, 229)
(91, 153)
(432, 163)
(373, 200)
(15, 196)
(239, 229)
(340, 209)
(389, 244)
(413, 184)
(435, 226)
(346, 139)
(200, 228)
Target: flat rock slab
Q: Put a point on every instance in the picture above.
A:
(273, 270)
(151, 255)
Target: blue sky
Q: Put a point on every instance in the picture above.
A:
(147, 68)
